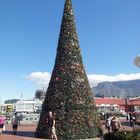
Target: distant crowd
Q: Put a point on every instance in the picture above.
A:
(113, 123)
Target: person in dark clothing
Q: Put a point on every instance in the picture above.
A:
(130, 119)
(15, 123)
(51, 125)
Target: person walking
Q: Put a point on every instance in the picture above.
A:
(130, 119)
(108, 123)
(2, 124)
(15, 123)
(115, 124)
(51, 125)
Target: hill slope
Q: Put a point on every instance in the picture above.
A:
(118, 89)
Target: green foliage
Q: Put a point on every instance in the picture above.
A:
(11, 101)
(69, 95)
(123, 135)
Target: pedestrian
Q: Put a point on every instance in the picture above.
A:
(103, 115)
(115, 124)
(130, 119)
(15, 122)
(2, 124)
(108, 123)
(51, 125)
(127, 116)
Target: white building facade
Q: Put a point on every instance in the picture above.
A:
(29, 106)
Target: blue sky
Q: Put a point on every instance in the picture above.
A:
(108, 31)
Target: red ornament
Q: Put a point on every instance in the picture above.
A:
(62, 69)
(57, 78)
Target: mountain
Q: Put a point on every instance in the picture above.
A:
(117, 89)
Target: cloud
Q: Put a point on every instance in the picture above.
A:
(43, 78)
(95, 79)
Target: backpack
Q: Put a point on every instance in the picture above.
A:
(116, 125)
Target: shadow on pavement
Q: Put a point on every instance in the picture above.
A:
(126, 123)
(21, 133)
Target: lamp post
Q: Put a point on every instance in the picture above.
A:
(137, 61)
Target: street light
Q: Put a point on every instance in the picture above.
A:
(137, 61)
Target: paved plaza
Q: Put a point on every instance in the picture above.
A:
(26, 132)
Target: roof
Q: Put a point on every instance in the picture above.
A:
(118, 101)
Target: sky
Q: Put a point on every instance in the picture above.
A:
(108, 32)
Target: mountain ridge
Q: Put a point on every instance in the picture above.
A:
(130, 88)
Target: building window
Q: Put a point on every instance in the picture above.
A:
(31, 118)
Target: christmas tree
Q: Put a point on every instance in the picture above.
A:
(69, 95)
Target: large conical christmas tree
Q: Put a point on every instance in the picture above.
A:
(69, 95)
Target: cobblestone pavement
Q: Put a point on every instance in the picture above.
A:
(26, 132)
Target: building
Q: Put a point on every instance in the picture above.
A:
(29, 119)
(6, 108)
(122, 105)
(28, 106)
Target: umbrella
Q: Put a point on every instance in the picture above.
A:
(107, 105)
(102, 105)
(115, 105)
